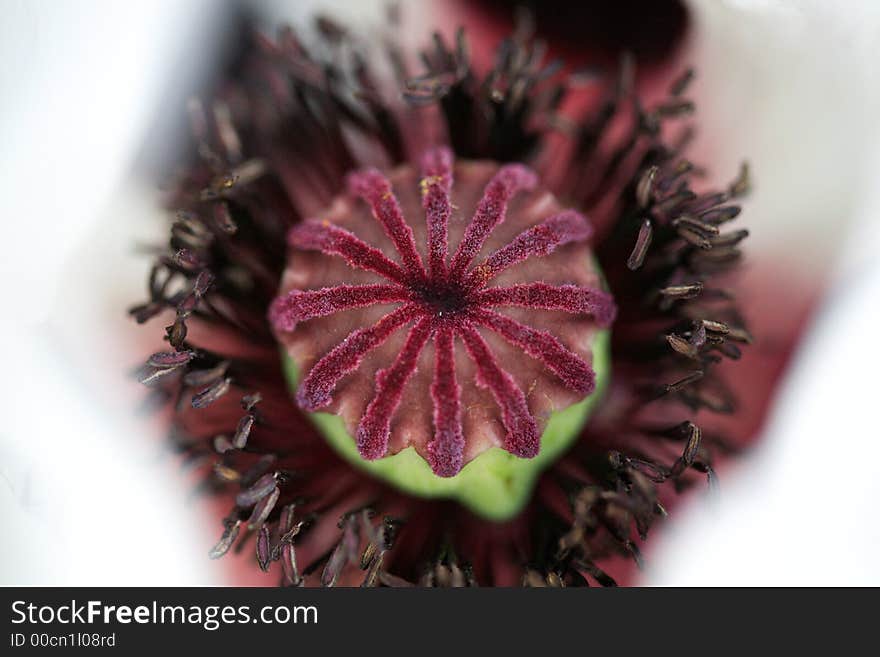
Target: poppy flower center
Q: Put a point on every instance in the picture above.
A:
(456, 320)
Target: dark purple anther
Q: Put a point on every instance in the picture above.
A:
(171, 358)
(260, 489)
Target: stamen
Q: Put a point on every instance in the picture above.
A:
(375, 188)
(568, 366)
(243, 431)
(701, 227)
(446, 450)
(325, 237)
(730, 239)
(682, 82)
(679, 385)
(211, 394)
(230, 533)
(689, 291)
(203, 377)
(317, 387)
(645, 186)
(490, 212)
(540, 240)
(263, 509)
(263, 487)
(640, 250)
(171, 359)
(567, 298)
(522, 437)
(682, 346)
(296, 306)
(374, 429)
(263, 548)
(436, 183)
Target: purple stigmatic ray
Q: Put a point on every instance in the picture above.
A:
(567, 298)
(375, 427)
(441, 303)
(317, 387)
(540, 240)
(522, 437)
(327, 238)
(436, 183)
(375, 189)
(491, 211)
(568, 366)
(446, 450)
(296, 306)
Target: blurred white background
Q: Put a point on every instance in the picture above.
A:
(93, 94)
